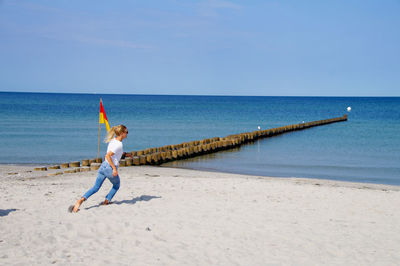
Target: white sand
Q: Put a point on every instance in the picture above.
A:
(164, 216)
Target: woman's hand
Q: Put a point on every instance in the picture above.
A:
(110, 162)
(115, 172)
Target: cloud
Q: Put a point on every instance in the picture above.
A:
(71, 35)
(86, 39)
(222, 4)
(108, 42)
(210, 8)
(33, 6)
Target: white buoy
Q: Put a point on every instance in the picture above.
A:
(259, 127)
(349, 109)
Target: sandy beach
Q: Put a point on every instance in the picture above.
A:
(167, 216)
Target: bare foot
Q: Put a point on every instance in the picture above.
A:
(77, 205)
(105, 202)
(75, 209)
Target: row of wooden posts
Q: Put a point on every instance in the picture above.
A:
(157, 156)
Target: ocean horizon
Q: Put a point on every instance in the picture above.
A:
(48, 128)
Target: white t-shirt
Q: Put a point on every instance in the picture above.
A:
(116, 147)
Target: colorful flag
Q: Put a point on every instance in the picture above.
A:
(103, 117)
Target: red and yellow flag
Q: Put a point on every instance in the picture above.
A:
(103, 117)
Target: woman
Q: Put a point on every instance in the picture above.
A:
(109, 168)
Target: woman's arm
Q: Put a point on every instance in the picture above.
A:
(109, 160)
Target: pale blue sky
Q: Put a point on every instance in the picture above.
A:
(211, 47)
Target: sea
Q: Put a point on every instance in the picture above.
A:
(50, 128)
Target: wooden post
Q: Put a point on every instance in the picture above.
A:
(194, 148)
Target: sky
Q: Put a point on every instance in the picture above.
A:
(210, 47)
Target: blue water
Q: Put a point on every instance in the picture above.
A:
(54, 128)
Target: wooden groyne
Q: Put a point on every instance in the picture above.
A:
(168, 153)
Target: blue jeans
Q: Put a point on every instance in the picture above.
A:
(105, 171)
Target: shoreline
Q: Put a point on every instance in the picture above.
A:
(282, 177)
(171, 216)
(29, 168)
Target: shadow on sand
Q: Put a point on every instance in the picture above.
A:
(6, 212)
(131, 201)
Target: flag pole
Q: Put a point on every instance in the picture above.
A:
(98, 143)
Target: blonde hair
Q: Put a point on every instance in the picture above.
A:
(115, 131)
